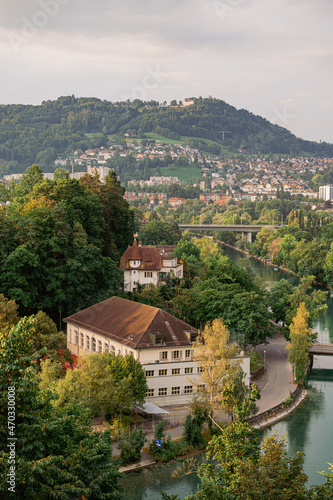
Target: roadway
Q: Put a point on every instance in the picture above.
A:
(278, 376)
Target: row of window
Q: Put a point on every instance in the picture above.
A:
(89, 343)
(175, 371)
(164, 355)
(163, 391)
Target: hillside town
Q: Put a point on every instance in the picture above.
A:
(241, 178)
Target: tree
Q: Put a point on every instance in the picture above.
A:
(273, 475)
(46, 334)
(213, 356)
(104, 383)
(279, 296)
(59, 454)
(300, 334)
(8, 313)
(237, 398)
(130, 447)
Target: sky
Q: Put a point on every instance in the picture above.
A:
(273, 58)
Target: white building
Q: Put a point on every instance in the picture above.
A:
(162, 343)
(147, 265)
(326, 193)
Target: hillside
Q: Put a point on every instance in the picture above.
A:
(38, 134)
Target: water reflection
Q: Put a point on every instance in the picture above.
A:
(308, 429)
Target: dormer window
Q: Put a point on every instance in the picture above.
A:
(135, 263)
(192, 335)
(158, 338)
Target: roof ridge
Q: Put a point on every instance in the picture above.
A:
(144, 333)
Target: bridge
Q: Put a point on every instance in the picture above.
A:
(244, 228)
(321, 349)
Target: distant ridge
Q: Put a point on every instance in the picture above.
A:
(38, 134)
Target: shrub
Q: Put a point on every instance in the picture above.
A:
(130, 447)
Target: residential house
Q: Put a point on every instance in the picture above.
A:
(147, 265)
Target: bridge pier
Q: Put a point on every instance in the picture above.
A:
(249, 237)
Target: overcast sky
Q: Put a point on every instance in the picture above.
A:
(273, 58)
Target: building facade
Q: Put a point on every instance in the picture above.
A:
(147, 265)
(163, 344)
(326, 193)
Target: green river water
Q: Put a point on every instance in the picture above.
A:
(307, 430)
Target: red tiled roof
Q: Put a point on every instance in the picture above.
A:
(149, 256)
(131, 323)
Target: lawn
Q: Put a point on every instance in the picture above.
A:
(189, 173)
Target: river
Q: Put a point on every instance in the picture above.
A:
(307, 430)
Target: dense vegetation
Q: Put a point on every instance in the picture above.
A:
(30, 134)
(61, 242)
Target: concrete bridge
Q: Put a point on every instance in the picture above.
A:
(244, 228)
(321, 349)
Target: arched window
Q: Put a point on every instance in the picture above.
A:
(82, 340)
(113, 349)
(100, 346)
(76, 337)
(106, 347)
(93, 345)
(88, 342)
(70, 336)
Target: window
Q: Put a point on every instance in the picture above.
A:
(93, 345)
(164, 355)
(188, 353)
(87, 342)
(76, 337)
(162, 391)
(149, 373)
(201, 369)
(125, 352)
(175, 354)
(188, 370)
(175, 371)
(100, 346)
(106, 347)
(70, 336)
(188, 389)
(175, 390)
(113, 349)
(148, 274)
(150, 393)
(81, 340)
(162, 373)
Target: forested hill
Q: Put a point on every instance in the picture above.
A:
(38, 134)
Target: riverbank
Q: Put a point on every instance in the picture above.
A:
(268, 262)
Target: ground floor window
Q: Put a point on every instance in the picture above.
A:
(150, 393)
(188, 389)
(175, 390)
(162, 391)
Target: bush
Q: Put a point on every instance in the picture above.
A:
(256, 361)
(130, 447)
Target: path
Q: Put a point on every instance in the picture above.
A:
(278, 373)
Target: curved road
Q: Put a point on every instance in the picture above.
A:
(278, 373)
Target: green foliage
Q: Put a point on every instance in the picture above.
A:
(63, 239)
(57, 453)
(130, 447)
(158, 232)
(193, 426)
(104, 383)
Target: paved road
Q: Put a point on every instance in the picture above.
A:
(279, 377)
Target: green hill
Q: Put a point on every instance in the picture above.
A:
(38, 134)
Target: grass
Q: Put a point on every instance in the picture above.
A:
(183, 173)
